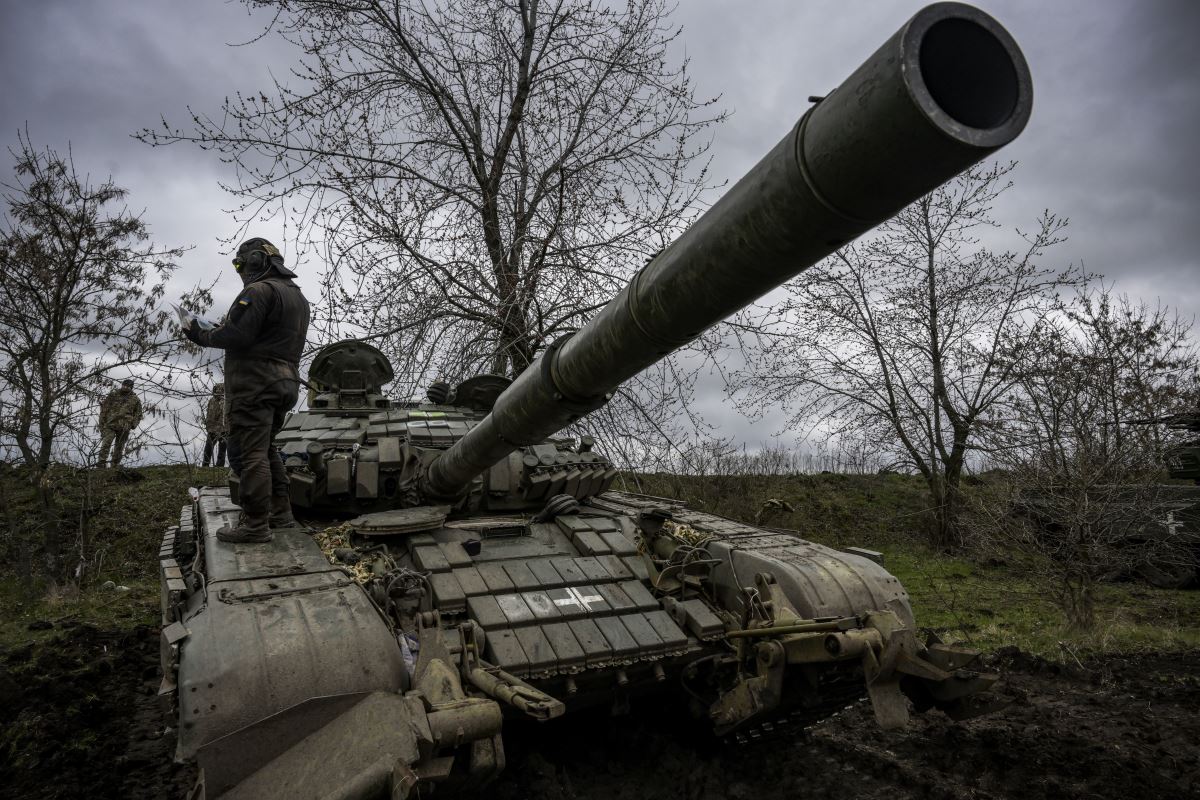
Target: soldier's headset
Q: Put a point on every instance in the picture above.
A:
(257, 260)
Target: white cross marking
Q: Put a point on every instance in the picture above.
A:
(579, 599)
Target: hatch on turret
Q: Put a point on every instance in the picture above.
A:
(480, 392)
(348, 377)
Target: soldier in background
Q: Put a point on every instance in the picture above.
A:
(120, 413)
(216, 427)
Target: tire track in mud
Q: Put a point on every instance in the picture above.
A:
(887, 766)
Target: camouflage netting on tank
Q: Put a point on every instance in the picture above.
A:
(685, 533)
(331, 539)
(681, 532)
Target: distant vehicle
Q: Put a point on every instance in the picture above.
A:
(1156, 527)
(1173, 535)
(1158, 524)
(486, 569)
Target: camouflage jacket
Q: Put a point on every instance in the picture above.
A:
(214, 416)
(121, 410)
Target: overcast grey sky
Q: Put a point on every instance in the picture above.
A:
(1110, 144)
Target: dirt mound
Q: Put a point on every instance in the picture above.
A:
(79, 718)
(1119, 728)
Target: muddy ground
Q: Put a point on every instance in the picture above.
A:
(79, 718)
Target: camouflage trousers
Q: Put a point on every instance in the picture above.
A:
(114, 438)
(261, 393)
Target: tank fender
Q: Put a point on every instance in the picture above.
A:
(254, 651)
(818, 581)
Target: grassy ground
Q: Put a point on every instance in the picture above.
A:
(126, 512)
(991, 607)
(987, 605)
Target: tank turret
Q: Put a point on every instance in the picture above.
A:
(1183, 458)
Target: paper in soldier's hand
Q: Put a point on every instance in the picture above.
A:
(187, 319)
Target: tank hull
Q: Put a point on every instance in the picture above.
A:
(271, 649)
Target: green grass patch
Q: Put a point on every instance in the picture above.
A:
(994, 606)
(23, 604)
(111, 523)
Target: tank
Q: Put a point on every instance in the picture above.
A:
(1180, 527)
(1157, 523)
(480, 568)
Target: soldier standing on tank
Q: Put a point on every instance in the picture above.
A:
(262, 336)
(120, 413)
(216, 428)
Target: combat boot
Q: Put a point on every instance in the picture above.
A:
(281, 512)
(248, 531)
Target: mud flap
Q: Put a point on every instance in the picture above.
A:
(887, 701)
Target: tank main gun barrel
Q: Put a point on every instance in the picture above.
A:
(949, 88)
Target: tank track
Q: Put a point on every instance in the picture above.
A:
(836, 696)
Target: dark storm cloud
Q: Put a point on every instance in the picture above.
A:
(1109, 144)
(1116, 109)
(89, 74)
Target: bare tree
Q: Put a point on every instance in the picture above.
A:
(481, 175)
(1142, 363)
(910, 337)
(1079, 497)
(80, 288)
